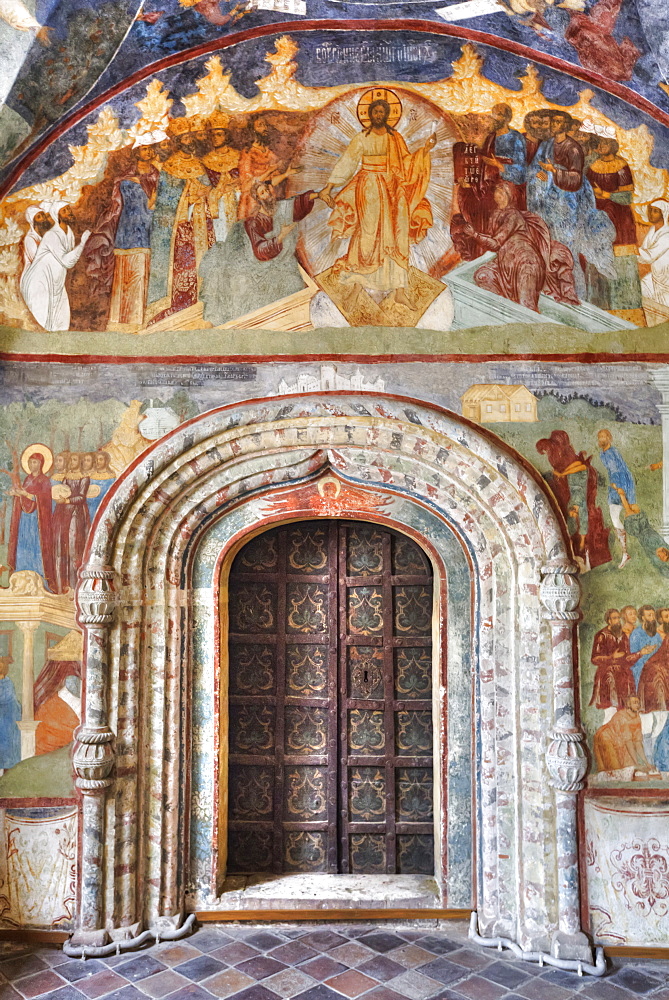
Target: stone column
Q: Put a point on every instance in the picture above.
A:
(660, 377)
(93, 756)
(27, 725)
(566, 757)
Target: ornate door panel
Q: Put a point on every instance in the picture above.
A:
(282, 783)
(385, 682)
(330, 688)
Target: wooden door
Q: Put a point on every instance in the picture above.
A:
(330, 702)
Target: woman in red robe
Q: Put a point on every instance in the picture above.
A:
(31, 538)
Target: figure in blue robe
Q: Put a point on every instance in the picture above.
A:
(620, 478)
(10, 714)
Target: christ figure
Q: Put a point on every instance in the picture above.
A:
(380, 205)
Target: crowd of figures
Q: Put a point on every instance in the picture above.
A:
(185, 211)
(631, 687)
(554, 202)
(52, 512)
(575, 482)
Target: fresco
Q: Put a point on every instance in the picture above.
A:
(435, 205)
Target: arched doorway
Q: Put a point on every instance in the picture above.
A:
(164, 531)
(330, 702)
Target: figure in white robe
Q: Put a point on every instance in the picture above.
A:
(43, 282)
(17, 15)
(39, 222)
(655, 251)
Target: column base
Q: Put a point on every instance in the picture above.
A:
(574, 947)
(27, 730)
(89, 939)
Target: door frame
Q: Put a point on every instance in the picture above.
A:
(439, 684)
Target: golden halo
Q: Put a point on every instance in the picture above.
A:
(37, 449)
(379, 94)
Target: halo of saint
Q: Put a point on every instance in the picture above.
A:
(37, 449)
(379, 94)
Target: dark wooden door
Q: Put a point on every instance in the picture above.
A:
(330, 702)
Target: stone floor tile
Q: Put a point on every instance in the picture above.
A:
(320, 992)
(384, 993)
(79, 969)
(506, 974)
(352, 954)
(600, 989)
(42, 982)
(23, 965)
(128, 992)
(470, 959)
(234, 953)
(209, 938)
(294, 953)
(162, 984)
(439, 945)
(257, 992)
(323, 940)
(170, 953)
(480, 989)
(635, 981)
(560, 977)
(410, 955)
(227, 983)
(539, 989)
(351, 983)
(415, 986)
(381, 967)
(101, 983)
(69, 992)
(264, 940)
(137, 968)
(260, 967)
(382, 941)
(322, 968)
(289, 983)
(197, 969)
(8, 992)
(443, 971)
(52, 956)
(192, 991)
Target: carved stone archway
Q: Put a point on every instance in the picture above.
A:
(138, 605)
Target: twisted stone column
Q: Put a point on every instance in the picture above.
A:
(93, 756)
(566, 756)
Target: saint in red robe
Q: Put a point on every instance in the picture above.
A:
(31, 534)
(614, 680)
(591, 35)
(71, 522)
(654, 681)
(527, 262)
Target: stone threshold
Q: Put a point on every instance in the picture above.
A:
(318, 891)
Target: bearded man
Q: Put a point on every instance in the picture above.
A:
(260, 253)
(614, 680)
(381, 206)
(644, 635)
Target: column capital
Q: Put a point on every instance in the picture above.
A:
(28, 625)
(97, 596)
(93, 758)
(567, 760)
(560, 591)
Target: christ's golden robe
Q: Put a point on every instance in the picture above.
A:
(381, 208)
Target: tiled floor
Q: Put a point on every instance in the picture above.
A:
(314, 963)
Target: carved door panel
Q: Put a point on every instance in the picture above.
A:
(385, 679)
(282, 812)
(330, 728)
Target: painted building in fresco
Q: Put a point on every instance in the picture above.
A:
(315, 314)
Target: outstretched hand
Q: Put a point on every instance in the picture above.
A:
(431, 143)
(326, 195)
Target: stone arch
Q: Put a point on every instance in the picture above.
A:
(137, 603)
